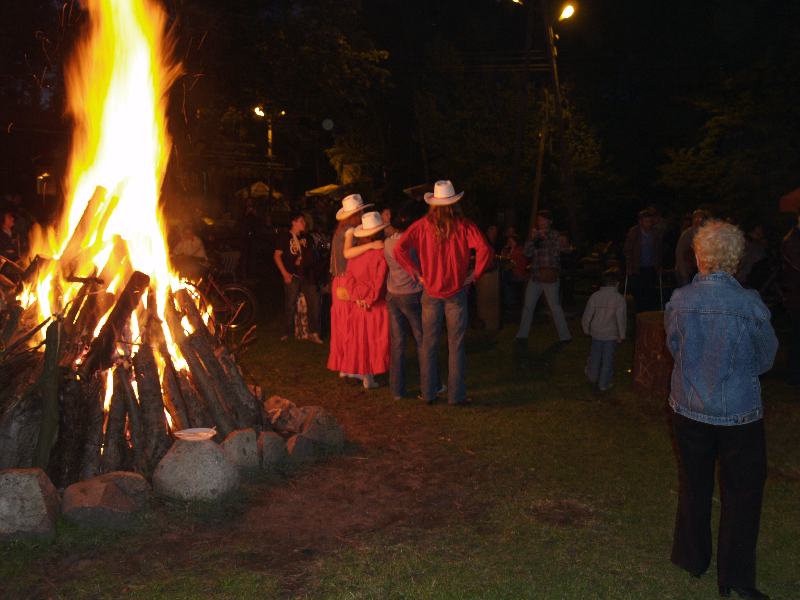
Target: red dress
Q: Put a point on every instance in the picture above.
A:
(340, 309)
(366, 350)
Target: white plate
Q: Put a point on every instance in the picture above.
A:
(195, 434)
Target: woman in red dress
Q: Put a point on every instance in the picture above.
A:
(342, 249)
(367, 350)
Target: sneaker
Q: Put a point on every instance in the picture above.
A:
(442, 389)
(284, 338)
(605, 389)
(369, 382)
(314, 338)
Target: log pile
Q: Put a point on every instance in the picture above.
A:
(84, 402)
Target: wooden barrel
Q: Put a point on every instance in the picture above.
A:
(652, 362)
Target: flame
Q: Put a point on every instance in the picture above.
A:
(117, 85)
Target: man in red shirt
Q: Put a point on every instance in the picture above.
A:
(443, 241)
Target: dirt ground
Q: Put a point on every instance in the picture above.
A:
(398, 475)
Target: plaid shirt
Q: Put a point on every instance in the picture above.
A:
(544, 252)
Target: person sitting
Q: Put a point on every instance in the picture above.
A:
(9, 249)
(189, 255)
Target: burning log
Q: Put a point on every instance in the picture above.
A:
(101, 351)
(48, 385)
(196, 409)
(154, 425)
(220, 365)
(137, 461)
(200, 376)
(20, 410)
(90, 460)
(247, 404)
(76, 418)
(114, 446)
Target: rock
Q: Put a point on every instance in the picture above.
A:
(241, 448)
(284, 415)
(323, 429)
(301, 449)
(195, 471)
(28, 504)
(272, 448)
(109, 500)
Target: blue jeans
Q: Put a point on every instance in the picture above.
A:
(532, 293)
(405, 314)
(454, 311)
(600, 369)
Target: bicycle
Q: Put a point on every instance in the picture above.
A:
(234, 308)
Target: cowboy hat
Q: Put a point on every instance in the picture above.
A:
(443, 194)
(371, 223)
(350, 205)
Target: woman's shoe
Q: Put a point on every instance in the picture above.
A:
(742, 592)
(369, 382)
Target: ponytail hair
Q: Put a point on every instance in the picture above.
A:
(444, 219)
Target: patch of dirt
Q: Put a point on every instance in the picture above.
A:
(399, 475)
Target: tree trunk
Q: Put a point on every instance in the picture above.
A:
(154, 425)
(114, 445)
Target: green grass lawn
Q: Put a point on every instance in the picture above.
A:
(575, 497)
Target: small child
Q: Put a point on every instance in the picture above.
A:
(604, 319)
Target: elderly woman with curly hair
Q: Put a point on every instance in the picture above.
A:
(721, 339)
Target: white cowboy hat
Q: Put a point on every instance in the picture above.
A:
(371, 223)
(443, 194)
(350, 205)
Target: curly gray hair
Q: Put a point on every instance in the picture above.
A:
(719, 247)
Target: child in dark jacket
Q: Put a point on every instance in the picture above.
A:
(604, 318)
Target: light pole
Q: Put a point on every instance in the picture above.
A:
(549, 19)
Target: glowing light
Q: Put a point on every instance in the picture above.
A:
(566, 12)
(259, 111)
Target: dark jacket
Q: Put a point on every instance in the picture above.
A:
(790, 270)
(633, 249)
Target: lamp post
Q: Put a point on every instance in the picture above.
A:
(549, 19)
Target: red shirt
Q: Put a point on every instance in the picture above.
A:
(444, 262)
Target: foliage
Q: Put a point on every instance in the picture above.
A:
(743, 154)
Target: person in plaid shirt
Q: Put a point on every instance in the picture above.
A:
(544, 249)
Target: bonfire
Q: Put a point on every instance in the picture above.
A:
(106, 353)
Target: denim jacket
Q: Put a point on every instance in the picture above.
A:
(721, 339)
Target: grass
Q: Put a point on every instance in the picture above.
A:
(577, 496)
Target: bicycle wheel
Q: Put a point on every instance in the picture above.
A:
(239, 307)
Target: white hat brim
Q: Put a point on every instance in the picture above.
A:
(342, 214)
(361, 232)
(434, 201)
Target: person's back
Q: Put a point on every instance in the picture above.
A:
(721, 339)
(605, 315)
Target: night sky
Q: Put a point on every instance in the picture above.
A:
(644, 79)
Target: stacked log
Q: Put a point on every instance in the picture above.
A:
(52, 412)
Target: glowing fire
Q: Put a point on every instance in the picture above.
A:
(117, 85)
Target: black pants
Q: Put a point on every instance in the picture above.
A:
(310, 290)
(645, 289)
(793, 356)
(742, 471)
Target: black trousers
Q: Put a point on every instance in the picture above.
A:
(742, 471)
(645, 290)
(311, 292)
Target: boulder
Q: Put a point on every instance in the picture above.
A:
(195, 471)
(109, 500)
(241, 448)
(301, 449)
(272, 449)
(28, 504)
(323, 429)
(284, 415)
